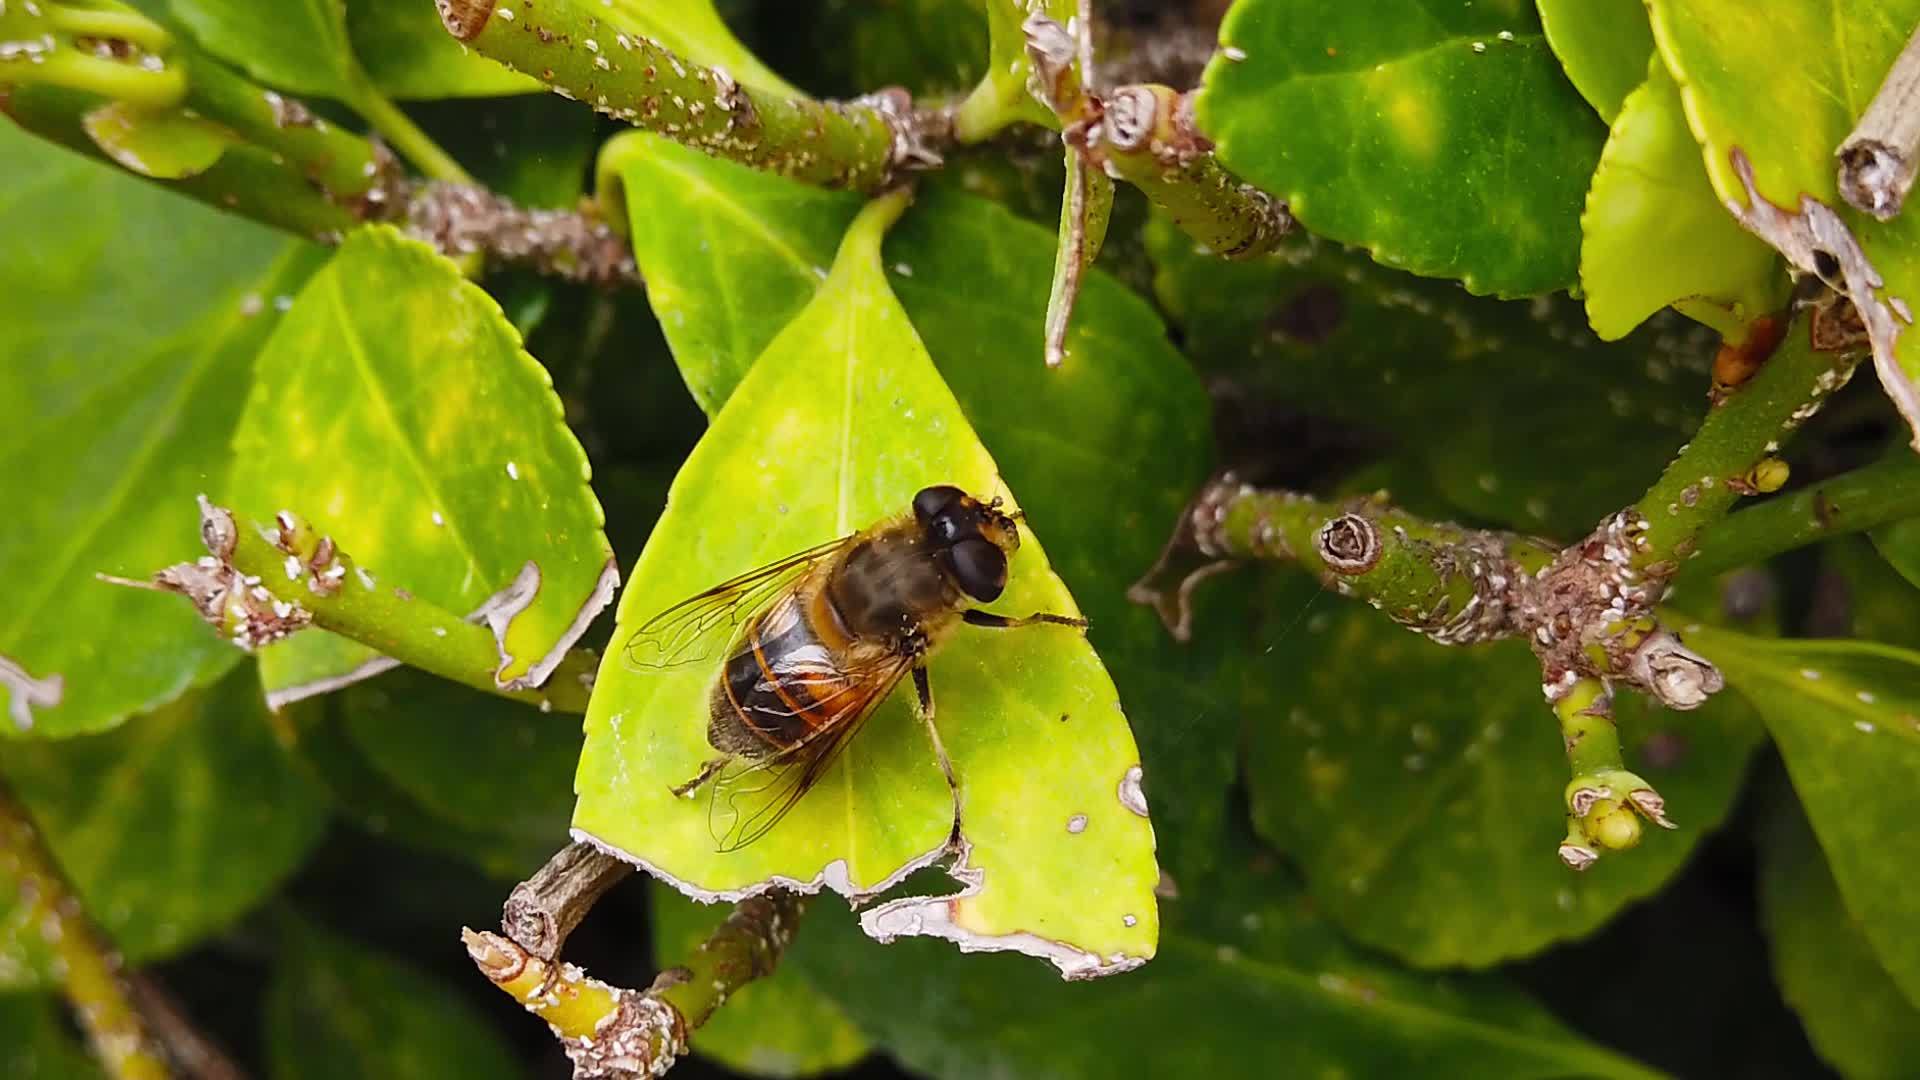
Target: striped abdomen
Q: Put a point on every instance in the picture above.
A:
(782, 682)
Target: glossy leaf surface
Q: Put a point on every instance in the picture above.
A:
(1442, 137)
(1602, 44)
(1855, 1015)
(1846, 716)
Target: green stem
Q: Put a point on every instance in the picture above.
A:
(1886, 491)
(393, 621)
(405, 136)
(1706, 478)
(340, 161)
(125, 24)
(1150, 142)
(246, 180)
(1434, 577)
(565, 44)
(91, 978)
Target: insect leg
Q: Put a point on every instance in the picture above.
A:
(924, 688)
(707, 772)
(976, 617)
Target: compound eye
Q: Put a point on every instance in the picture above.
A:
(980, 569)
(932, 500)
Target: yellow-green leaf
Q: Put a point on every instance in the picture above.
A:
(462, 479)
(836, 425)
(1655, 233)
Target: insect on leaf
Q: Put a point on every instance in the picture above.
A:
(838, 424)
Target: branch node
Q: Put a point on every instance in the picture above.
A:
(543, 910)
(1349, 544)
(1879, 158)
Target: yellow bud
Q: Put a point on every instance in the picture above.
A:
(1613, 825)
(1767, 475)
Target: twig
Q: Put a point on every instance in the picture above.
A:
(543, 910)
(1588, 611)
(243, 589)
(1605, 802)
(461, 219)
(862, 145)
(1887, 490)
(1879, 158)
(621, 1034)
(1150, 140)
(89, 971)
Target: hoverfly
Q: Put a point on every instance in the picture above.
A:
(816, 641)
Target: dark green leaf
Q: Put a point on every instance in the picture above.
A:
(337, 1009)
(463, 474)
(1443, 138)
(1427, 823)
(776, 1026)
(1884, 605)
(1846, 716)
(120, 380)
(483, 763)
(1250, 982)
(1852, 1010)
(730, 254)
(1495, 404)
(1899, 544)
(36, 1045)
(1603, 44)
(170, 827)
(824, 450)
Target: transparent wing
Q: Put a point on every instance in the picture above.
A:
(751, 795)
(697, 628)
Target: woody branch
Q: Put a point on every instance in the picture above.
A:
(64, 71)
(1588, 610)
(617, 1033)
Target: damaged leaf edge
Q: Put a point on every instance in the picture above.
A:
(1818, 229)
(933, 916)
(24, 691)
(499, 610)
(913, 916)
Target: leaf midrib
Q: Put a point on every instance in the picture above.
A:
(378, 394)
